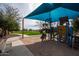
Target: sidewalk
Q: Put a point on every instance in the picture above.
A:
(24, 35)
(18, 48)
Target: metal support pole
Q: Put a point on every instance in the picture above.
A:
(22, 28)
(50, 26)
(67, 32)
(50, 31)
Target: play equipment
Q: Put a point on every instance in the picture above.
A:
(69, 33)
(65, 32)
(62, 32)
(48, 29)
(62, 29)
(76, 42)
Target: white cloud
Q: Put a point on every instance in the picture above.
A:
(25, 9)
(29, 23)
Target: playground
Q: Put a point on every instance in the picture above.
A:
(56, 37)
(59, 40)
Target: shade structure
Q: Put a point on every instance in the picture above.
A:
(53, 11)
(72, 6)
(46, 7)
(62, 12)
(55, 14)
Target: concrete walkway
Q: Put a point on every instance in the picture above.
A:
(24, 35)
(18, 48)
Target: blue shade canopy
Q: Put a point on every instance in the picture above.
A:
(47, 7)
(62, 12)
(55, 15)
(72, 6)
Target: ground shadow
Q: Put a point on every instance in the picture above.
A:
(46, 48)
(20, 50)
(51, 48)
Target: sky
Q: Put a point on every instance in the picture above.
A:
(24, 10)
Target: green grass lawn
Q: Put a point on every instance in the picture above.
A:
(28, 32)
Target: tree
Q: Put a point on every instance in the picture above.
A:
(30, 29)
(8, 18)
(12, 15)
(76, 25)
(41, 24)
